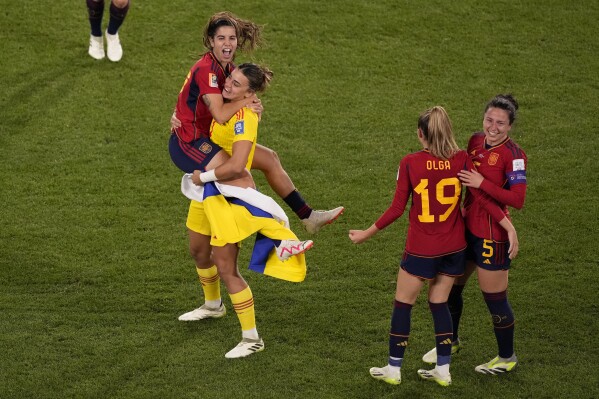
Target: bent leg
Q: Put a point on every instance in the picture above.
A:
(267, 161)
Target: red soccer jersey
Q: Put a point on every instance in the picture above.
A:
(504, 169)
(436, 225)
(207, 76)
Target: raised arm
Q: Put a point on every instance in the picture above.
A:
(222, 111)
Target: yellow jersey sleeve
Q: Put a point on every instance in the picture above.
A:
(243, 126)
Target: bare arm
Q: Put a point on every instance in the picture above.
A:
(359, 236)
(223, 111)
(234, 167)
(512, 237)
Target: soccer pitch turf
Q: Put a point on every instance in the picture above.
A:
(94, 268)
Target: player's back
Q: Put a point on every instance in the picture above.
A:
(436, 223)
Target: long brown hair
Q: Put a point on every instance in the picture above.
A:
(248, 33)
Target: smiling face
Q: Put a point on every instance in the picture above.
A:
(224, 44)
(237, 86)
(496, 125)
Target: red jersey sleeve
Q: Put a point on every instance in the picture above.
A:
(400, 199)
(513, 197)
(207, 80)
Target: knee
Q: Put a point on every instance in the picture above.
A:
(120, 3)
(269, 161)
(201, 256)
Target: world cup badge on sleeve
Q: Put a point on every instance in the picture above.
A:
(518, 164)
(239, 128)
(212, 80)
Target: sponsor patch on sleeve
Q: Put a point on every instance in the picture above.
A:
(239, 129)
(516, 177)
(518, 164)
(212, 80)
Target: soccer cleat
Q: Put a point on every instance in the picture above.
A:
(204, 312)
(387, 375)
(497, 366)
(114, 51)
(245, 348)
(289, 248)
(433, 375)
(430, 357)
(318, 219)
(96, 47)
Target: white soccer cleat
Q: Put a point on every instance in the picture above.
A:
(318, 219)
(497, 366)
(289, 248)
(433, 375)
(204, 312)
(387, 375)
(245, 348)
(96, 47)
(114, 51)
(430, 357)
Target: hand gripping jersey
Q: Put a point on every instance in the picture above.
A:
(436, 226)
(207, 76)
(242, 126)
(504, 169)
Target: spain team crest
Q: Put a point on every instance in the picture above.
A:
(205, 148)
(493, 158)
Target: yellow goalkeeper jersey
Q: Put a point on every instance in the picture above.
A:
(242, 126)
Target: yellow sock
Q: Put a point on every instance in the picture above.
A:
(210, 283)
(243, 302)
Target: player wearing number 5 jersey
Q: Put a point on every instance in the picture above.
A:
(435, 241)
(501, 174)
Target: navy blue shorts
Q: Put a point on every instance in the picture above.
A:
(192, 156)
(487, 254)
(427, 268)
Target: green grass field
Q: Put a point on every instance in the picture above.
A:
(94, 268)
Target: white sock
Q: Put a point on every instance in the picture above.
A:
(443, 371)
(213, 304)
(396, 367)
(251, 334)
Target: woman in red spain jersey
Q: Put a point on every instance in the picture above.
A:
(200, 101)
(435, 244)
(501, 174)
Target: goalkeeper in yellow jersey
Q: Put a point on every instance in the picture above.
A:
(216, 233)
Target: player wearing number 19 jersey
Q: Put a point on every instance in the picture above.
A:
(436, 225)
(435, 241)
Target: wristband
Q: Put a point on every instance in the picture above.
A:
(206, 177)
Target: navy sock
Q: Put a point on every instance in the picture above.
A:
(117, 16)
(503, 322)
(400, 329)
(95, 10)
(298, 204)
(443, 331)
(455, 302)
